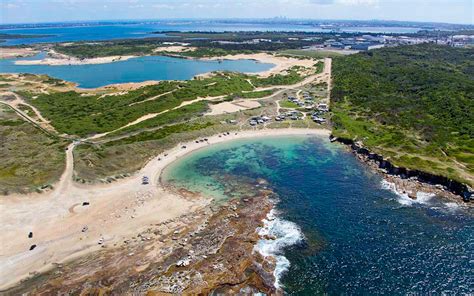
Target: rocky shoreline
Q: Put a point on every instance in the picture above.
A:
(407, 181)
(213, 253)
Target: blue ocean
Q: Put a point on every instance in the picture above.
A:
(95, 32)
(339, 229)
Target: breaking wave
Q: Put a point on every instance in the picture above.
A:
(404, 199)
(276, 235)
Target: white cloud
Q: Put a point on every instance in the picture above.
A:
(358, 2)
(163, 6)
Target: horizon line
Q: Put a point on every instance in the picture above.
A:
(235, 18)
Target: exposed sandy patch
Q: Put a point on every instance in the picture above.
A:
(57, 59)
(10, 53)
(121, 93)
(281, 63)
(231, 107)
(125, 86)
(15, 104)
(174, 48)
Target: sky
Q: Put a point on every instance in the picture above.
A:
(33, 11)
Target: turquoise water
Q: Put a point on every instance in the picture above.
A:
(94, 32)
(133, 70)
(339, 231)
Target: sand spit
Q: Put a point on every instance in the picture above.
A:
(174, 49)
(67, 60)
(10, 53)
(74, 220)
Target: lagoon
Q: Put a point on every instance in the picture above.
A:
(338, 229)
(133, 70)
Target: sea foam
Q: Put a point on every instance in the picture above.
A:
(277, 234)
(403, 198)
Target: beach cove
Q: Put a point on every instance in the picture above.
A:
(336, 224)
(313, 204)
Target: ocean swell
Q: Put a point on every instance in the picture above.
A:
(276, 235)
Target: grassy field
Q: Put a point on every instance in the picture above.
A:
(288, 104)
(250, 95)
(116, 158)
(29, 158)
(77, 114)
(292, 77)
(80, 114)
(412, 103)
(103, 49)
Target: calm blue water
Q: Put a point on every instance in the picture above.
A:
(133, 70)
(359, 239)
(142, 30)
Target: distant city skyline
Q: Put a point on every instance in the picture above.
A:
(36, 11)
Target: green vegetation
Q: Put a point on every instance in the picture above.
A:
(161, 133)
(30, 158)
(315, 54)
(179, 115)
(82, 114)
(209, 44)
(250, 95)
(204, 52)
(292, 77)
(319, 67)
(103, 49)
(78, 114)
(412, 103)
(288, 104)
(115, 158)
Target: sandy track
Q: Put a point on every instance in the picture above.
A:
(43, 124)
(153, 115)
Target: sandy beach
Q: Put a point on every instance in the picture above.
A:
(67, 60)
(10, 53)
(74, 219)
(281, 63)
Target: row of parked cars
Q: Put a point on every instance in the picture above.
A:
(259, 120)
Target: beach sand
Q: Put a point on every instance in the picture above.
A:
(67, 60)
(10, 53)
(116, 211)
(281, 63)
(231, 107)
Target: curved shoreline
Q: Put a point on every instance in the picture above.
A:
(116, 212)
(279, 63)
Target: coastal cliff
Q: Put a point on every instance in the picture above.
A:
(440, 183)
